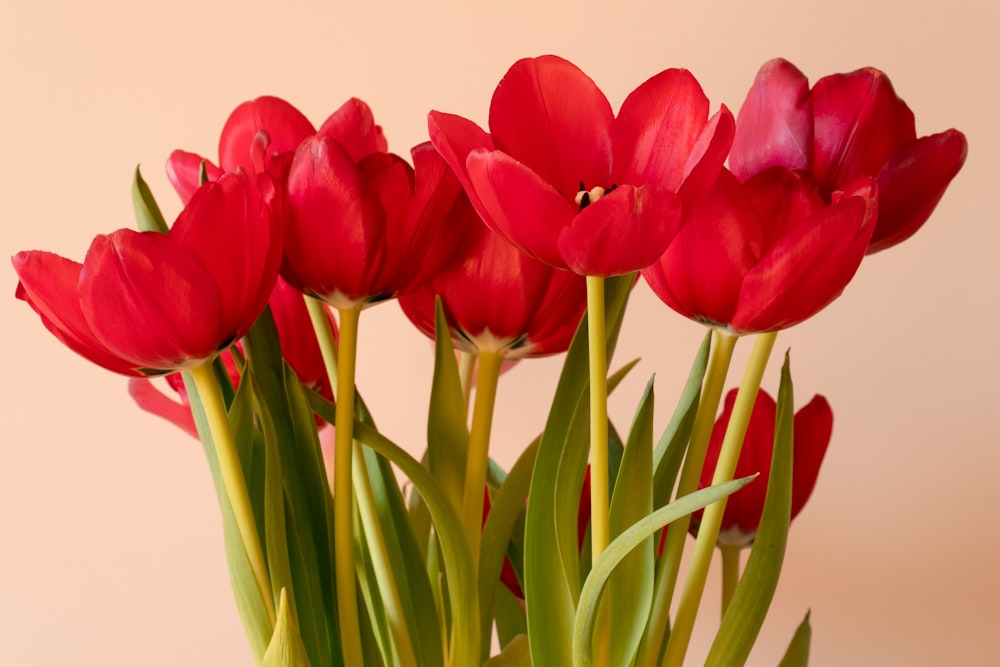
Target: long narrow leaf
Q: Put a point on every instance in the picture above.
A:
(797, 654)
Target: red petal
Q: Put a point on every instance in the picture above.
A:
(519, 205)
(859, 124)
(284, 124)
(353, 125)
(551, 116)
(153, 401)
(49, 284)
(775, 124)
(626, 230)
(390, 180)
(912, 183)
(334, 236)
(812, 429)
(705, 162)
(184, 173)
(657, 128)
(809, 266)
(455, 138)
(298, 337)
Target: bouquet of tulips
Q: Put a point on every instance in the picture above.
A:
(519, 242)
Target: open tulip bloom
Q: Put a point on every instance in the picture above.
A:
(517, 242)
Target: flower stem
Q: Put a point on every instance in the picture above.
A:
(708, 531)
(723, 345)
(730, 573)
(477, 459)
(466, 367)
(232, 479)
(600, 533)
(341, 374)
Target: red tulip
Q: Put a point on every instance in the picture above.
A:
(145, 303)
(497, 298)
(361, 231)
(848, 125)
(569, 183)
(765, 254)
(812, 427)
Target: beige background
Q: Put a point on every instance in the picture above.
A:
(110, 548)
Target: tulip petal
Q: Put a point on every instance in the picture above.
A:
(859, 124)
(552, 117)
(705, 162)
(520, 205)
(454, 138)
(912, 183)
(153, 401)
(389, 180)
(353, 125)
(284, 124)
(49, 284)
(774, 126)
(809, 266)
(627, 230)
(656, 129)
(812, 430)
(184, 173)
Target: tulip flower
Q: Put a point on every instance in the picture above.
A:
(145, 303)
(568, 182)
(847, 125)
(497, 298)
(812, 427)
(765, 254)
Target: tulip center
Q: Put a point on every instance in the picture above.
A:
(585, 197)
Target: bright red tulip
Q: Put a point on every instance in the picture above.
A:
(497, 298)
(145, 303)
(765, 254)
(571, 184)
(813, 425)
(848, 125)
(364, 230)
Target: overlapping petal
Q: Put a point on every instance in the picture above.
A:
(353, 126)
(285, 125)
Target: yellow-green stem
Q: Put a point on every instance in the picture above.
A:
(232, 479)
(723, 345)
(730, 573)
(599, 526)
(708, 531)
(477, 459)
(466, 367)
(341, 374)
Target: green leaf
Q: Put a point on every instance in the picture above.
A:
(797, 654)
(285, 649)
(752, 597)
(447, 433)
(631, 583)
(514, 654)
(147, 213)
(551, 583)
(632, 537)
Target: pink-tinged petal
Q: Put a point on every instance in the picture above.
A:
(705, 162)
(810, 265)
(551, 116)
(150, 304)
(455, 138)
(184, 173)
(49, 284)
(701, 273)
(658, 126)
(353, 125)
(859, 123)
(519, 205)
(626, 230)
(153, 401)
(812, 430)
(285, 125)
(335, 228)
(774, 127)
(912, 183)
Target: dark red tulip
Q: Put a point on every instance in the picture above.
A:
(813, 425)
(361, 231)
(765, 254)
(497, 298)
(848, 125)
(145, 303)
(571, 184)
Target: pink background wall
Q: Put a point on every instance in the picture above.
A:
(110, 544)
